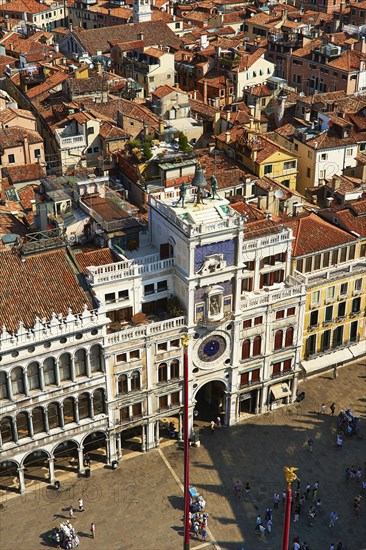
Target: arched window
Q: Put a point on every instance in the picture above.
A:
(174, 369)
(257, 344)
(49, 371)
(6, 428)
(80, 362)
(278, 340)
(22, 425)
(33, 376)
(3, 386)
(245, 350)
(53, 415)
(65, 367)
(69, 410)
(135, 381)
(38, 420)
(122, 384)
(162, 372)
(17, 382)
(84, 406)
(95, 358)
(289, 338)
(98, 401)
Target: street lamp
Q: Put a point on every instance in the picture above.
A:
(185, 342)
(290, 477)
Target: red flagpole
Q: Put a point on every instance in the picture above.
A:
(186, 451)
(287, 522)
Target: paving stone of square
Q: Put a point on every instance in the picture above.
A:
(139, 505)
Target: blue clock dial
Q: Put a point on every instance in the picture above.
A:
(211, 348)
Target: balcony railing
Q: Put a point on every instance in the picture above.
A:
(271, 297)
(125, 270)
(142, 331)
(69, 142)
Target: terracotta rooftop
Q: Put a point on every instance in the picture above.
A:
(52, 81)
(37, 287)
(87, 258)
(313, 234)
(24, 173)
(165, 90)
(154, 32)
(14, 136)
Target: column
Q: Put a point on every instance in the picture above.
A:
(15, 431)
(91, 403)
(41, 378)
(9, 386)
(30, 423)
(108, 448)
(21, 480)
(72, 369)
(87, 363)
(81, 459)
(46, 422)
(157, 435)
(257, 397)
(180, 427)
(26, 385)
(76, 410)
(57, 372)
(51, 468)
(119, 446)
(62, 420)
(143, 438)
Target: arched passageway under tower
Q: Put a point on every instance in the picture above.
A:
(210, 402)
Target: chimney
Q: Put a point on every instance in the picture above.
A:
(26, 150)
(329, 201)
(363, 45)
(272, 202)
(140, 36)
(99, 68)
(227, 137)
(161, 127)
(284, 15)
(228, 114)
(336, 183)
(262, 202)
(205, 91)
(194, 94)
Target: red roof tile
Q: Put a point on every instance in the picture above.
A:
(40, 285)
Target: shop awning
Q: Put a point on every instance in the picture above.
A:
(280, 390)
(327, 360)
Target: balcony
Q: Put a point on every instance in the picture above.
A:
(142, 331)
(354, 314)
(270, 297)
(69, 142)
(327, 323)
(313, 327)
(119, 271)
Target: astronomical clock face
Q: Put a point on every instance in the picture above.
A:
(211, 348)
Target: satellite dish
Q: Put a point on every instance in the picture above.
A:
(278, 194)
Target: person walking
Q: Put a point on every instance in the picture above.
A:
(339, 442)
(332, 408)
(237, 489)
(269, 525)
(312, 515)
(212, 426)
(333, 518)
(247, 489)
(310, 445)
(276, 500)
(218, 422)
(92, 530)
(322, 408)
(307, 491)
(71, 512)
(203, 532)
(258, 522)
(335, 373)
(297, 513)
(283, 497)
(262, 530)
(81, 505)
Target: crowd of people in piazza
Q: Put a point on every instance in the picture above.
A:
(306, 504)
(198, 517)
(66, 536)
